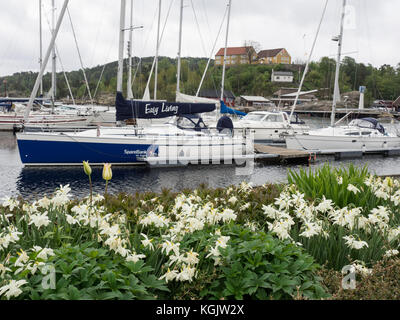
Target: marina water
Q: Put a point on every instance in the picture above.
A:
(34, 182)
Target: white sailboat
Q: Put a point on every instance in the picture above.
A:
(184, 140)
(363, 135)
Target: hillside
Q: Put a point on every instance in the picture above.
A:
(381, 83)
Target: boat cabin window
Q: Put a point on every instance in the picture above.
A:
(366, 133)
(273, 118)
(185, 123)
(191, 123)
(353, 133)
(254, 117)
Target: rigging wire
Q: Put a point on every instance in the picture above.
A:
(80, 57)
(198, 27)
(61, 63)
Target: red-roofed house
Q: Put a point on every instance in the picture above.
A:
(274, 56)
(236, 55)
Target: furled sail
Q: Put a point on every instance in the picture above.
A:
(130, 109)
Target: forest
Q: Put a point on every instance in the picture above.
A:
(383, 83)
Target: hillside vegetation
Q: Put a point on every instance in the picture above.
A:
(381, 83)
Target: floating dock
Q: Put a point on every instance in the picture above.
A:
(265, 153)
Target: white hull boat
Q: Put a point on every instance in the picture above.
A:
(270, 127)
(363, 135)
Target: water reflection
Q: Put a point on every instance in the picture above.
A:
(35, 182)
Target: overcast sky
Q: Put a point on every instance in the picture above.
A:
(371, 34)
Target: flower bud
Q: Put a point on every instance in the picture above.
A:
(87, 168)
(107, 173)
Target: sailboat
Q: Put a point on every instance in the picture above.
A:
(363, 135)
(186, 139)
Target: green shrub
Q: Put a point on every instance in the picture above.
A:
(258, 266)
(86, 272)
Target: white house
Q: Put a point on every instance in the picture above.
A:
(282, 76)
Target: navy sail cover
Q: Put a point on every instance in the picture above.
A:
(138, 109)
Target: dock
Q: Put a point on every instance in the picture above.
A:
(265, 153)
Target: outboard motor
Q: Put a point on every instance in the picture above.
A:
(225, 125)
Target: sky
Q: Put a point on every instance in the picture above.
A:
(370, 35)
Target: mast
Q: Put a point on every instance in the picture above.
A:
(178, 76)
(54, 61)
(45, 61)
(308, 63)
(130, 93)
(157, 48)
(40, 44)
(339, 56)
(211, 55)
(121, 47)
(225, 49)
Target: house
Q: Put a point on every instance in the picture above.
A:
(236, 56)
(254, 101)
(274, 56)
(229, 97)
(282, 76)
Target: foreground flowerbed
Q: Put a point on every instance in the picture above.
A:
(58, 248)
(241, 242)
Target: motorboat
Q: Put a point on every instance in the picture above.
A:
(271, 126)
(364, 135)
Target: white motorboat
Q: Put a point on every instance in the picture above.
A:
(365, 135)
(269, 126)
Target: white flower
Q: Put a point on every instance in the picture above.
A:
(311, 229)
(44, 203)
(245, 207)
(228, 215)
(393, 233)
(10, 203)
(158, 220)
(270, 212)
(12, 289)
(22, 259)
(12, 236)
(355, 244)
(380, 193)
(3, 270)
(170, 275)
(43, 253)
(39, 220)
(191, 258)
(146, 242)
(391, 253)
(179, 258)
(353, 189)
(135, 257)
(360, 268)
(325, 205)
(71, 220)
(339, 180)
(169, 246)
(232, 200)
(187, 273)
